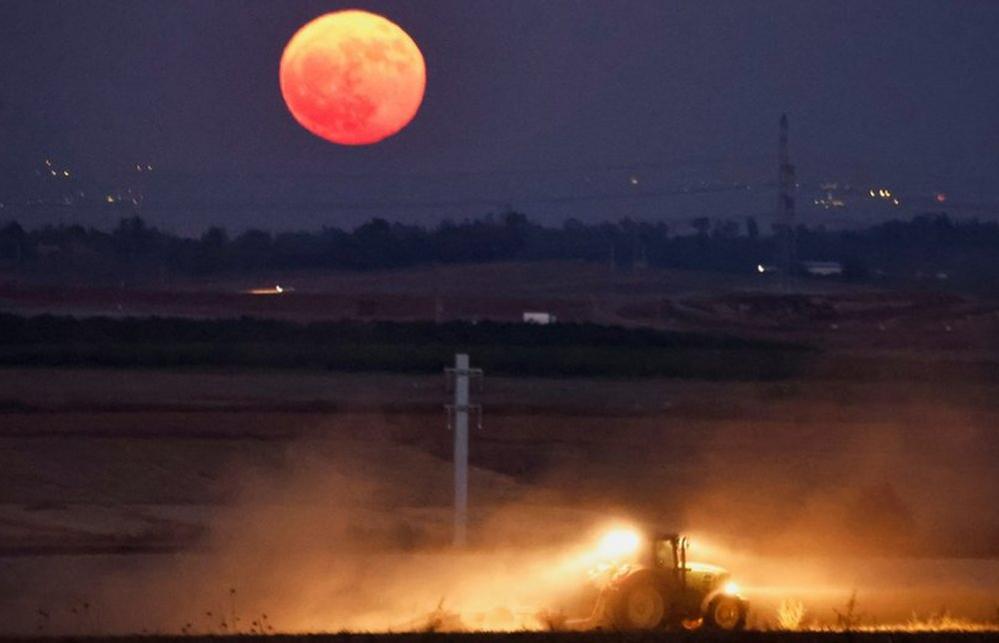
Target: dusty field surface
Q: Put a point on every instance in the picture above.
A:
(182, 501)
(555, 637)
(200, 501)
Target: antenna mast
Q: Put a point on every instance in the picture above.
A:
(785, 205)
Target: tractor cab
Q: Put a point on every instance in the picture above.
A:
(669, 551)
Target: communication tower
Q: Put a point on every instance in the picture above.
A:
(785, 205)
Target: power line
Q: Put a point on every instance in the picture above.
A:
(388, 204)
(451, 174)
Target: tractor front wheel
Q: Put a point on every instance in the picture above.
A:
(726, 613)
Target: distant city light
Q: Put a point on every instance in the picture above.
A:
(634, 180)
(941, 197)
(830, 199)
(276, 290)
(883, 193)
(110, 199)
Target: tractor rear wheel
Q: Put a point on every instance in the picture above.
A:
(726, 613)
(641, 606)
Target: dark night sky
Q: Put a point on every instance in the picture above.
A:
(527, 102)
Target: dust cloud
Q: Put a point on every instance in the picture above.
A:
(322, 544)
(892, 521)
(872, 526)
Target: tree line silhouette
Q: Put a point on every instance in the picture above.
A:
(928, 247)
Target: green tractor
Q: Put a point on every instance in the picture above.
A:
(664, 590)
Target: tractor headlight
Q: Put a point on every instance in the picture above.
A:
(730, 588)
(618, 543)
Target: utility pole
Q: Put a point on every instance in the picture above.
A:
(785, 205)
(458, 422)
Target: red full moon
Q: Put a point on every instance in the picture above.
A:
(352, 77)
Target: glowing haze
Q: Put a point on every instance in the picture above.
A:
(352, 77)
